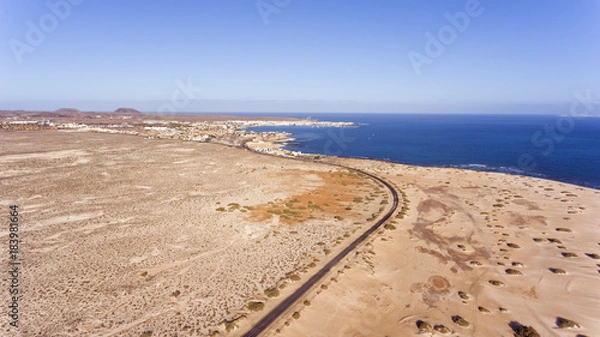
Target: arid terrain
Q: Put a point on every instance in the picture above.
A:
(126, 236)
(496, 250)
(123, 235)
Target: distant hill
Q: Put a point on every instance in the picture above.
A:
(127, 111)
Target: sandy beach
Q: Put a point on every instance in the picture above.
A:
(126, 236)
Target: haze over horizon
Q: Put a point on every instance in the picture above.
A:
(462, 56)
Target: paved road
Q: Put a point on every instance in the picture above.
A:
(264, 323)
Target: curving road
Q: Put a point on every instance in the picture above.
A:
(269, 318)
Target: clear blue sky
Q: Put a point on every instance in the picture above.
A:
(514, 56)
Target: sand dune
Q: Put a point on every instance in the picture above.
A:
(463, 230)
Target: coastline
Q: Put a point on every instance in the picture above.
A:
(422, 259)
(278, 148)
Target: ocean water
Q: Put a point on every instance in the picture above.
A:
(561, 148)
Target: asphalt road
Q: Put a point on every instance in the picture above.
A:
(269, 318)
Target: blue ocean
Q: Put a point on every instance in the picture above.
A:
(562, 148)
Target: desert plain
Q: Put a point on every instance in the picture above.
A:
(127, 236)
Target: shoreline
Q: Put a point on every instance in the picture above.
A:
(179, 126)
(281, 144)
(457, 230)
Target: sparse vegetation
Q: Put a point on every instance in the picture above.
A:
(526, 331)
(496, 283)
(442, 329)
(273, 292)
(510, 271)
(255, 306)
(562, 229)
(389, 226)
(593, 256)
(458, 320)
(424, 326)
(569, 255)
(565, 323)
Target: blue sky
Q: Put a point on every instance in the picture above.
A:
(512, 56)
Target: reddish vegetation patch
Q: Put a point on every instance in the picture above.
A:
(334, 198)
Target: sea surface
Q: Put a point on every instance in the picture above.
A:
(561, 148)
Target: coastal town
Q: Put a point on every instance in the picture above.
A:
(223, 130)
